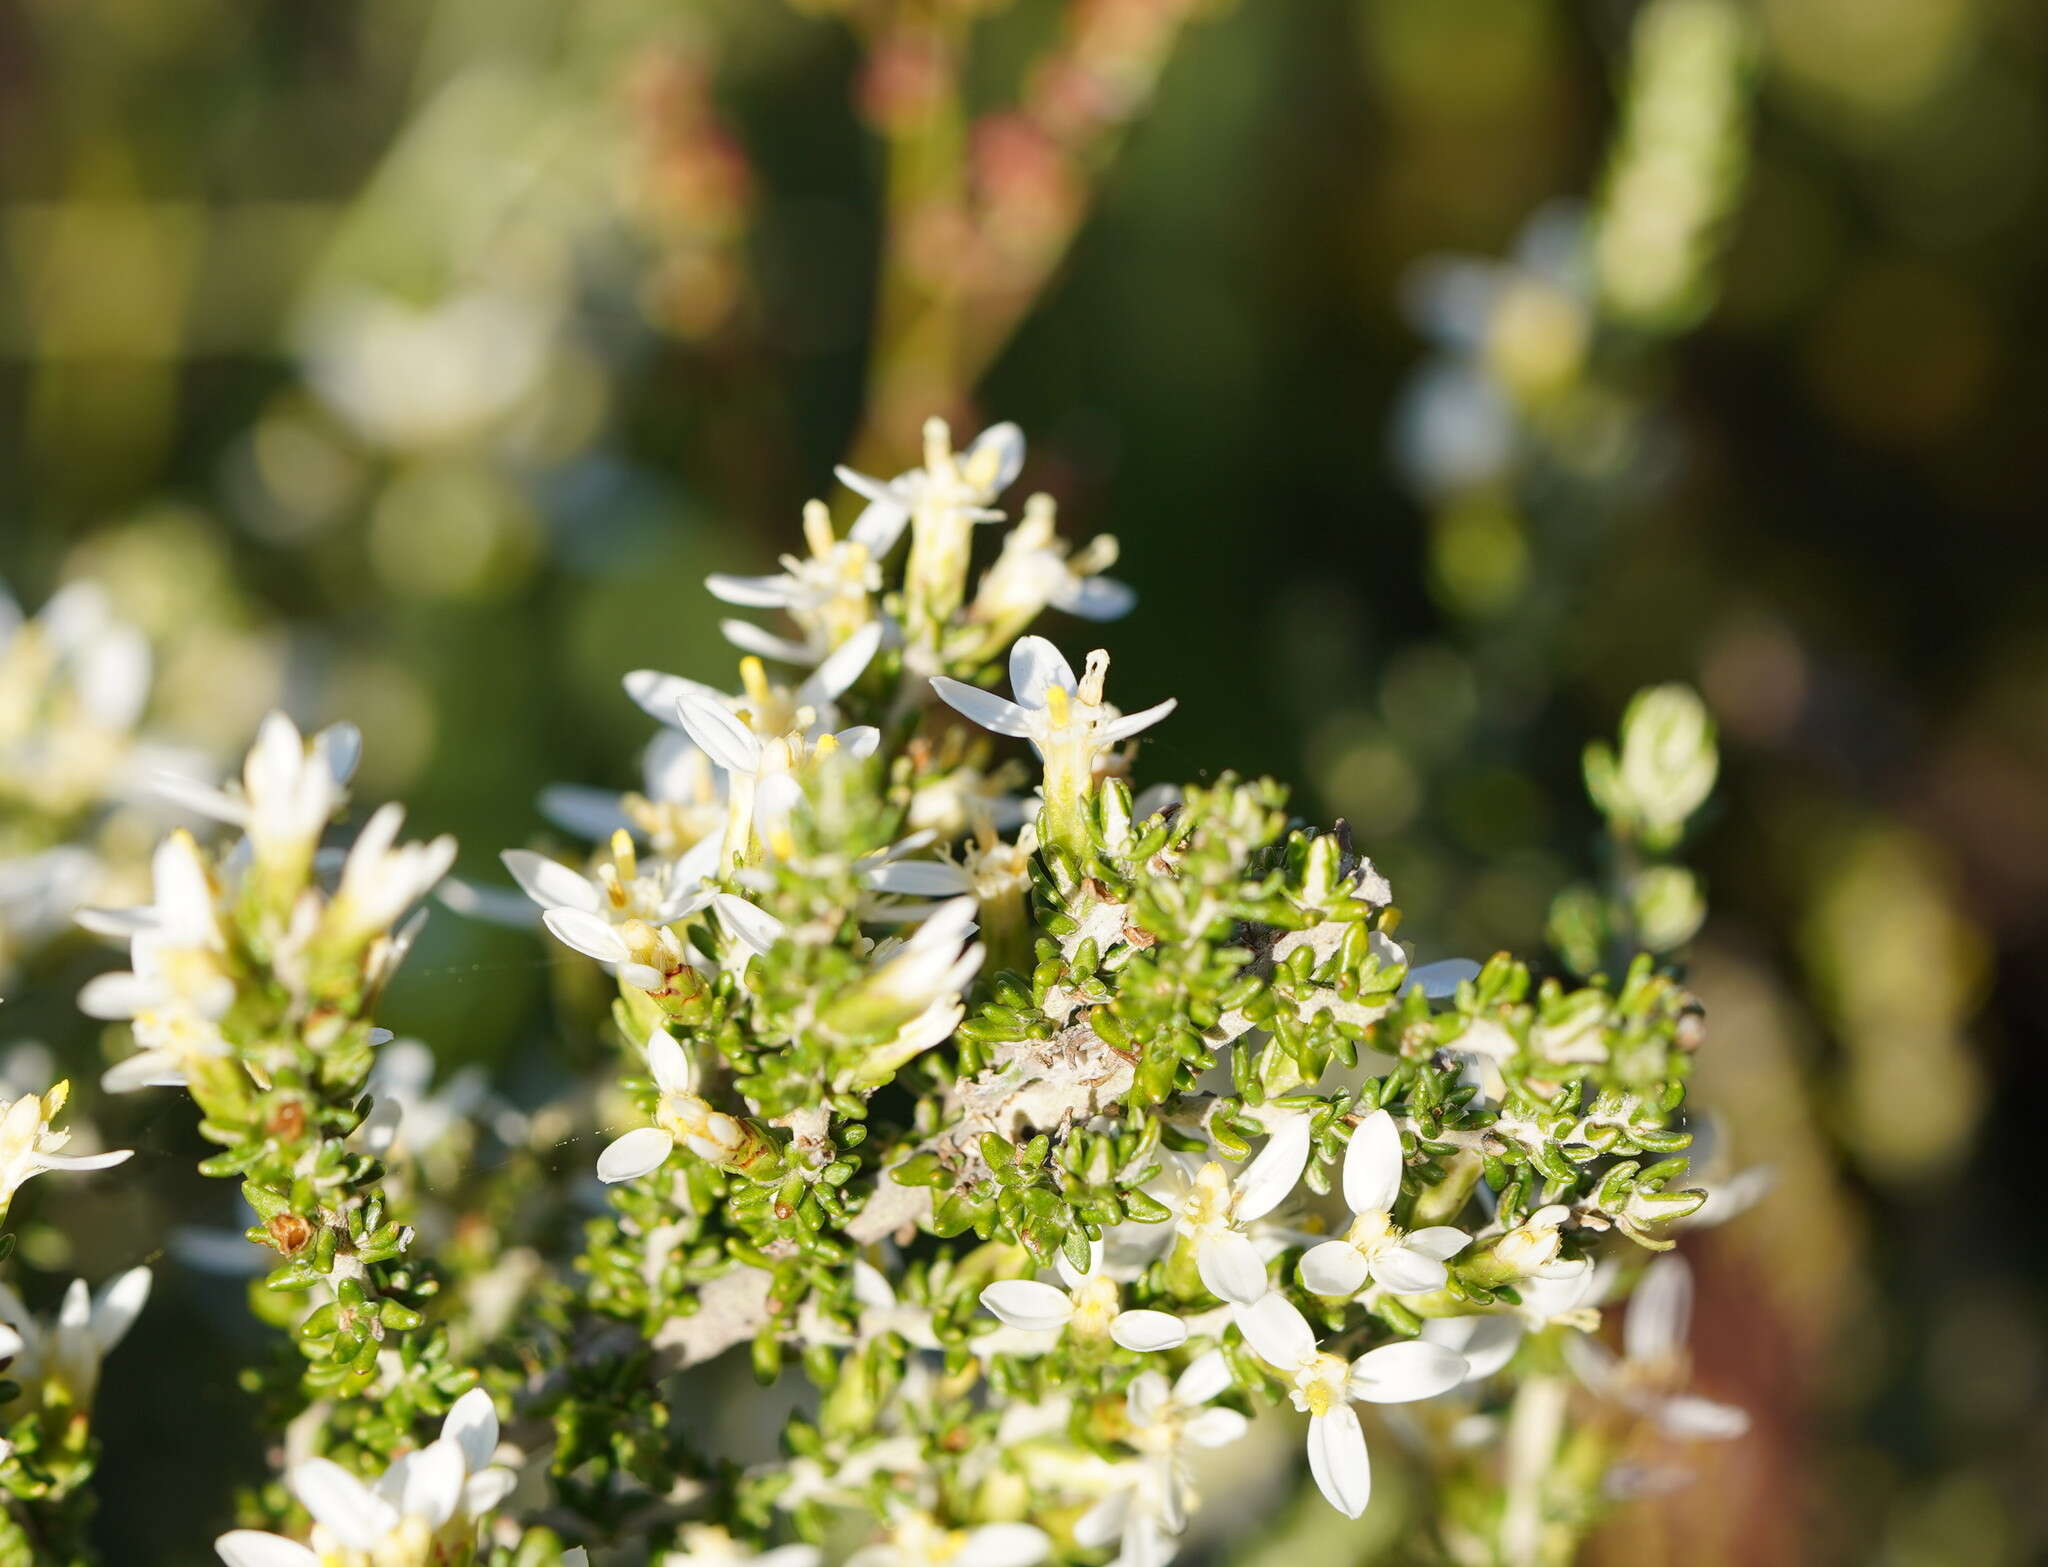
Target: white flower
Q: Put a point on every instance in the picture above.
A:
(1035, 570)
(763, 709)
(380, 882)
(1089, 1306)
(917, 1540)
(177, 989)
(1163, 1421)
(1405, 1262)
(1212, 1209)
(708, 1545)
(423, 1511)
(29, 1144)
(1325, 1386)
(1531, 1248)
(680, 803)
(1064, 718)
(961, 484)
(65, 1357)
(680, 1116)
(290, 791)
(829, 594)
(616, 911)
(1651, 1374)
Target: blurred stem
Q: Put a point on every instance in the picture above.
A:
(1535, 1425)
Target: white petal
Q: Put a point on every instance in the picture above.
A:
(1402, 1373)
(1335, 1268)
(656, 694)
(116, 995)
(433, 1483)
(1269, 1178)
(670, 1064)
(338, 748)
(860, 742)
(1004, 1545)
(750, 638)
(485, 1489)
(718, 732)
(1440, 1241)
(113, 678)
(1095, 598)
(1215, 1428)
(550, 883)
(1206, 1376)
(1027, 1304)
(1405, 1271)
(83, 1161)
(1148, 1330)
(1337, 1458)
(342, 1504)
(754, 928)
(253, 1548)
(1659, 1313)
(985, 708)
(1487, 1343)
(842, 667)
(639, 1152)
(1103, 1524)
(1438, 980)
(752, 592)
(145, 1069)
(1035, 666)
(880, 523)
(472, 1425)
(1230, 1267)
(1693, 1419)
(1135, 723)
(1001, 447)
(587, 934)
(1372, 1165)
(1277, 1333)
(119, 1303)
(919, 878)
(122, 924)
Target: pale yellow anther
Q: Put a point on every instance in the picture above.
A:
(623, 854)
(818, 528)
(825, 745)
(754, 681)
(1057, 706)
(614, 889)
(938, 447)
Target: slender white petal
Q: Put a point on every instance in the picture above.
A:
(1035, 667)
(83, 1161)
(1338, 1460)
(1027, 1304)
(1095, 598)
(1230, 1267)
(472, 1425)
(118, 1304)
(776, 592)
(1268, 1179)
(721, 736)
(750, 638)
(1402, 1373)
(550, 883)
(117, 995)
(920, 878)
(1442, 979)
(1440, 1241)
(253, 1548)
(587, 934)
(985, 708)
(1659, 1313)
(1407, 1271)
(433, 1483)
(754, 928)
(1215, 1428)
(588, 813)
(639, 1152)
(842, 667)
(1487, 1343)
(1002, 447)
(341, 1504)
(1694, 1419)
(1206, 1376)
(1119, 729)
(657, 694)
(1277, 1332)
(1148, 1330)
(485, 1490)
(670, 1064)
(1335, 1268)
(1372, 1165)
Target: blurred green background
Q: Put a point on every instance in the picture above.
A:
(413, 362)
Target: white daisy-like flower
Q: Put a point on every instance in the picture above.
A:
(1164, 1421)
(680, 802)
(65, 1356)
(1036, 570)
(381, 878)
(829, 594)
(29, 1145)
(763, 709)
(1375, 1249)
(916, 1539)
(1532, 1248)
(1326, 1386)
(1214, 1211)
(680, 1117)
(595, 914)
(1090, 1306)
(423, 1511)
(289, 791)
(1651, 1374)
(960, 484)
